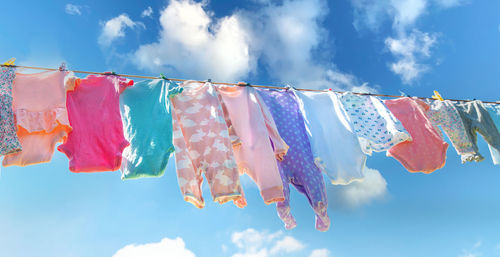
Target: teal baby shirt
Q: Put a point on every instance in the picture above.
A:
(147, 123)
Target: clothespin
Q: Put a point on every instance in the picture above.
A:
(437, 96)
(62, 67)
(209, 80)
(110, 73)
(404, 94)
(288, 87)
(243, 84)
(330, 89)
(10, 62)
(163, 76)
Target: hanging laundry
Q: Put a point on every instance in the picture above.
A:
(9, 142)
(444, 114)
(298, 167)
(39, 103)
(255, 127)
(377, 128)
(335, 146)
(476, 119)
(147, 123)
(494, 111)
(202, 144)
(96, 141)
(427, 151)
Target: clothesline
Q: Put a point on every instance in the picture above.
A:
(230, 84)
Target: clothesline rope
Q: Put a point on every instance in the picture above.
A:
(231, 84)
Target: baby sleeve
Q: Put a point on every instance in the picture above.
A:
(71, 82)
(280, 146)
(123, 83)
(233, 136)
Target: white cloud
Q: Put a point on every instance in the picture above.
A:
(73, 9)
(290, 40)
(286, 38)
(148, 12)
(472, 252)
(403, 14)
(252, 243)
(320, 253)
(287, 245)
(166, 247)
(358, 193)
(115, 28)
(409, 52)
(193, 43)
(468, 254)
(449, 3)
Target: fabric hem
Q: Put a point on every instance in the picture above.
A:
(427, 171)
(272, 195)
(12, 149)
(222, 199)
(198, 203)
(137, 175)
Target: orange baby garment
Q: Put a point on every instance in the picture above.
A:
(427, 151)
(96, 142)
(39, 104)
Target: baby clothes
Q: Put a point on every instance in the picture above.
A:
(445, 114)
(297, 167)
(494, 110)
(40, 109)
(377, 128)
(96, 141)
(150, 140)
(255, 126)
(476, 119)
(335, 147)
(9, 142)
(202, 144)
(427, 150)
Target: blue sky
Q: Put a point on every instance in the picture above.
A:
(414, 46)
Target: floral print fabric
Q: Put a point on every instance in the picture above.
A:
(9, 142)
(476, 119)
(445, 115)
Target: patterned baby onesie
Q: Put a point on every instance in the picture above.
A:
(494, 110)
(476, 119)
(298, 167)
(335, 146)
(255, 127)
(377, 128)
(202, 144)
(9, 142)
(445, 115)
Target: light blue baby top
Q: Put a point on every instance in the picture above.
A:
(494, 110)
(335, 146)
(147, 123)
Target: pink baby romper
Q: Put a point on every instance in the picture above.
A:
(96, 141)
(39, 104)
(427, 151)
(253, 124)
(202, 145)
